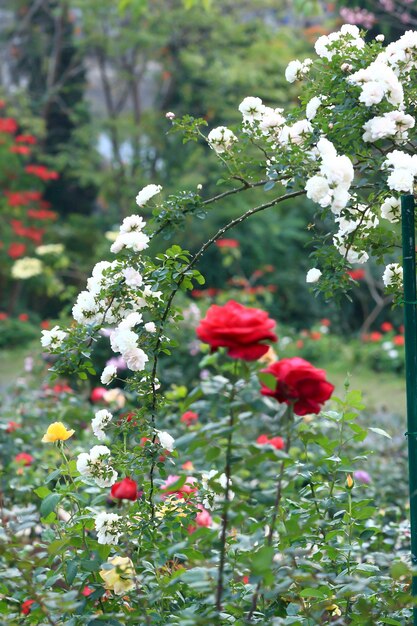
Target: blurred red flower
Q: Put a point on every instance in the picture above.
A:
(358, 274)
(42, 172)
(227, 243)
(8, 125)
(16, 250)
(189, 417)
(25, 608)
(386, 327)
(24, 458)
(276, 442)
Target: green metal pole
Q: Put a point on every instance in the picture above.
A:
(410, 326)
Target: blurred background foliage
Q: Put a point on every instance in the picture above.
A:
(93, 80)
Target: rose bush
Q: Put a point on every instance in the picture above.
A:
(250, 514)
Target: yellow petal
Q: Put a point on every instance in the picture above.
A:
(57, 432)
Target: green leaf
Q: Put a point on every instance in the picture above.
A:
(49, 503)
(42, 492)
(268, 380)
(380, 431)
(72, 568)
(262, 560)
(53, 475)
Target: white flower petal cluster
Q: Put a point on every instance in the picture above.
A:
(26, 267)
(378, 81)
(348, 38)
(133, 240)
(125, 341)
(391, 209)
(272, 121)
(393, 274)
(221, 139)
(108, 374)
(50, 248)
(95, 465)
(296, 70)
(331, 186)
(101, 419)
(295, 134)
(252, 109)
(147, 193)
(313, 275)
(53, 338)
(108, 528)
(166, 440)
(360, 225)
(393, 124)
(313, 106)
(401, 55)
(132, 223)
(132, 277)
(404, 170)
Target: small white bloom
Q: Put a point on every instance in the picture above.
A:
(393, 273)
(147, 193)
(123, 339)
(313, 275)
(133, 240)
(108, 374)
(132, 223)
(132, 277)
(52, 338)
(380, 38)
(312, 107)
(133, 319)
(150, 327)
(101, 420)
(251, 109)
(95, 464)
(166, 441)
(27, 267)
(390, 209)
(50, 248)
(318, 190)
(221, 139)
(135, 359)
(108, 528)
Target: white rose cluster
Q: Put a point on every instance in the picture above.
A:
(348, 38)
(26, 267)
(360, 225)
(96, 465)
(403, 168)
(393, 124)
(330, 187)
(378, 81)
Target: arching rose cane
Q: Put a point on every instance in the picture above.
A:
(238, 328)
(299, 383)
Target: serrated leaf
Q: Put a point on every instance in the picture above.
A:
(49, 503)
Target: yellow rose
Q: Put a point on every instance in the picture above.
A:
(120, 578)
(57, 432)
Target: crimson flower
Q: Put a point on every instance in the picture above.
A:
(276, 442)
(227, 243)
(386, 327)
(189, 417)
(8, 125)
(299, 383)
(42, 172)
(16, 250)
(26, 607)
(238, 328)
(24, 458)
(126, 489)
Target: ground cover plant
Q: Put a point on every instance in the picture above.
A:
(245, 498)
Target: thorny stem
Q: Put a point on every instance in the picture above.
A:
(167, 309)
(278, 495)
(225, 514)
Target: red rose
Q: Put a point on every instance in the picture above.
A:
(23, 317)
(97, 394)
(25, 608)
(386, 327)
(8, 125)
(238, 328)
(16, 250)
(87, 591)
(357, 274)
(126, 489)
(189, 417)
(398, 340)
(275, 442)
(227, 243)
(24, 458)
(375, 336)
(300, 383)
(12, 426)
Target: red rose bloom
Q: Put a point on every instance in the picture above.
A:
(25, 608)
(398, 340)
(238, 328)
(227, 243)
(16, 250)
(8, 125)
(41, 172)
(300, 383)
(189, 417)
(275, 442)
(126, 489)
(97, 394)
(386, 327)
(24, 458)
(184, 492)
